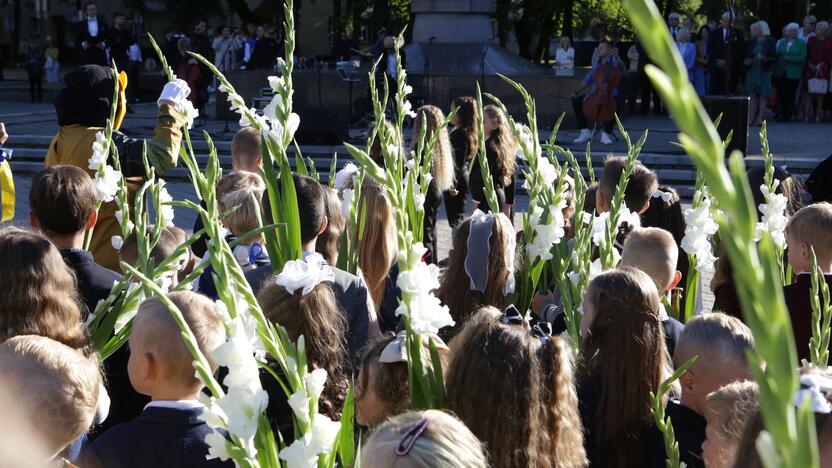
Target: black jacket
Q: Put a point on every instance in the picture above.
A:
(159, 437)
(689, 429)
(459, 143)
(730, 48)
(94, 281)
(93, 54)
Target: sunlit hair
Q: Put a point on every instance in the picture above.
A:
(502, 142)
(455, 290)
(728, 411)
(318, 318)
(157, 333)
(238, 180)
(39, 295)
(445, 442)
(527, 386)
(640, 186)
(442, 162)
(246, 147)
(716, 338)
(813, 225)
(653, 251)
(467, 115)
(57, 386)
(244, 218)
(328, 242)
(625, 348)
(377, 249)
(391, 382)
(169, 240)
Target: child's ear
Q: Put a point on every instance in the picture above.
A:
(644, 207)
(688, 381)
(93, 219)
(600, 202)
(34, 221)
(323, 226)
(151, 367)
(675, 282)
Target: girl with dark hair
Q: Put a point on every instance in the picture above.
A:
(465, 143)
(500, 150)
(513, 386)
(623, 359)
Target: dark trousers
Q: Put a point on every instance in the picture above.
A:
(577, 107)
(648, 93)
(433, 199)
(455, 206)
(36, 84)
(786, 92)
(719, 86)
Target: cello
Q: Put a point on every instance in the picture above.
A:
(600, 105)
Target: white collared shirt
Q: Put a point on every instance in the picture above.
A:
(174, 404)
(92, 26)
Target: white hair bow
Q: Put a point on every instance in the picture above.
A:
(396, 350)
(344, 175)
(665, 196)
(814, 387)
(305, 274)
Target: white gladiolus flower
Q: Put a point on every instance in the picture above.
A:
(299, 402)
(347, 196)
(774, 218)
(422, 277)
(217, 447)
(106, 183)
(407, 107)
(546, 235)
(323, 432)
(166, 210)
(120, 218)
(418, 198)
(300, 454)
(547, 171)
(599, 228)
(315, 382)
(408, 89)
(186, 108)
(393, 149)
(427, 314)
(99, 153)
(700, 225)
(116, 242)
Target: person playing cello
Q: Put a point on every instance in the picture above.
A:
(595, 100)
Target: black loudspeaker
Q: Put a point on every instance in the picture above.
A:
(323, 127)
(734, 110)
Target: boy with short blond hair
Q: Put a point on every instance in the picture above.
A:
(721, 343)
(169, 432)
(654, 251)
(246, 152)
(56, 386)
(809, 228)
(640, 187)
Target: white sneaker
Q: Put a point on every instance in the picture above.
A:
(606, 138)
(584, 137)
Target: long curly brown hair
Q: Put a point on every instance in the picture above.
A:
(625, 347)
(467, 123)
(442, 161)
(39, 294)
(526, 384)
(455, 290)
(502, 142)
(318, 318)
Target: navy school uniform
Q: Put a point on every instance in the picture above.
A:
(161, 437)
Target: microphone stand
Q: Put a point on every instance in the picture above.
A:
(482, 65)
(427, 67)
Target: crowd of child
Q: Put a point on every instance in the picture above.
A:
(516, 395)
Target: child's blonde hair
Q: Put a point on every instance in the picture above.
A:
(502, 142)
(715, 338)
(158, 333)
(653, 251)
(813, 225)
(246, 147)
(237, 180)
(169, 240)
(57, 385)
(442, 162)
(445, 442)
(243, 219)
(729, 409)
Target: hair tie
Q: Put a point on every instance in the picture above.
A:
(542, 330)
(409, 438)
(478, 257)
(511, 316)
(396, 350)
(814, 387)
(665, 196)
(304, 274)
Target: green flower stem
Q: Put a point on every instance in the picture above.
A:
(663, 423)
(821, 315)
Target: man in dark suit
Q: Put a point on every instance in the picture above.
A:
(120, 40)
(91, 37)
(387, 67)
(350, 291)
(725, 53)
(809, 228)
